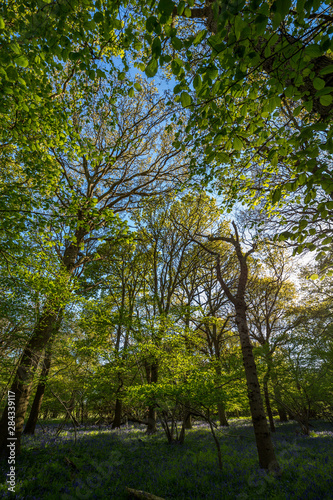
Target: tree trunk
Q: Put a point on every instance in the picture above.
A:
(188, 421)
(82, 412)
(152, 377)
(37, 403)
(117, 415)
(181, 438)
(281, 411)
(222, 416)
(267, 459)
(47, 325)
(268, 404)
(278, 398)
(151, 427)
(189, 349)
(21, 387)
(220, 406)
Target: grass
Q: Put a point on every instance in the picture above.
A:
(103, 462)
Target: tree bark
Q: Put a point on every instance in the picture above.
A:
(21, 386)
(267, 459)
(117, 415)
(222, 416)
(181, 438)
(283, 417)
(47, 326)
(151, 427)
(278, 398)
(82, 412)
(37, 403)
(152, 377)
(220, 406)
(268, 403)
(188, 421)
(266, 454)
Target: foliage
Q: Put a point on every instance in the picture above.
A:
(90, 149)
(256, 78)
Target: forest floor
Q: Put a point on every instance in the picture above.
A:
(102, 463)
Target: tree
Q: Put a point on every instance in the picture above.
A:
(168, 249)
(270, 299)
(44, 47)
(212, 319)
(263, 131)
(236, 294)
(115, 284)
(112, 158)
(44, 39)
(307, 384)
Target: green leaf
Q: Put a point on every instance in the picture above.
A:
(285, 235)
(2, 24)
(274, 160)
(175, 66)
(238, 24)
(15, 48)
(176, 43)
(218, 139)
(312, 50)
(212, 72)
(137, 86)
(326, 100)
(308, 106)
(178, 88)
(199, 37)
(319, 126)
(260, 19)
(243, 110)
(180, 8)
(156, 47)
(318, 83)
(276, 195)
(300, 9)
(276, 21)
(22, 61)
(297, 110)
(151, 23)
(237, 144)
(100, 73)
(166, 7)
(98, 17)
(261, 23)
(313, 276)
(282, 7)
(302, 224)
(131, 92)
(185, 99)
(197, 83)
(324, 91)
(302, 179)
(151, 68)
(327, 70)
